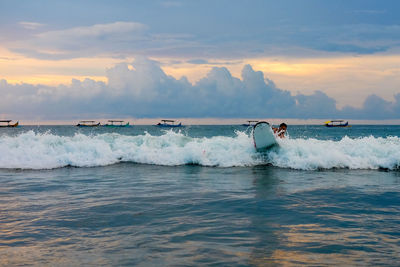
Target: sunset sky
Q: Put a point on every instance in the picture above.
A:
(310, 59)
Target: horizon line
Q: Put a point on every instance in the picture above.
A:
(210, 121)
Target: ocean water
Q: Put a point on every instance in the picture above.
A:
(199, 196)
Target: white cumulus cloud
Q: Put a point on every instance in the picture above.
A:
(143, 89)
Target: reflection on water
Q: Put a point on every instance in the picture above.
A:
(132, 214)
(317, 225)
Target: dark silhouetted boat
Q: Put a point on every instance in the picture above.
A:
(6, 123)
(168, 124)
(88, 124)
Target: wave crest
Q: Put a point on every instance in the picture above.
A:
(359, 153)
(32, 150)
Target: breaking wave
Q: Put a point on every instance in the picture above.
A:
(32, 150)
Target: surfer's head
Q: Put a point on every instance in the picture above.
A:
(283, 126)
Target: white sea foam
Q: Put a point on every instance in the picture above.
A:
(359, 153)
(46, 151)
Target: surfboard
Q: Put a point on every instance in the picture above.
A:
(263, 136)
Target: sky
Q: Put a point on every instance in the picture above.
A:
(304, 59)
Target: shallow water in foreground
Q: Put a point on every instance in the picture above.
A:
(127, 214)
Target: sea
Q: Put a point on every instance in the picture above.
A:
(199, 196)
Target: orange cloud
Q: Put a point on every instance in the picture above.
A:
(17, 69)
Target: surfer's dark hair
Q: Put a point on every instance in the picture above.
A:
(283, 125)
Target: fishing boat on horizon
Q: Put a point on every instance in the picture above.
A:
(8, 123)
(88, 124)
(168, 123)
(337, 123)
(116, 123)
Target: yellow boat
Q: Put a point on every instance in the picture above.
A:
(337, 123)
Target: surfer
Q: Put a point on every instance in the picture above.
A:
(281, 130)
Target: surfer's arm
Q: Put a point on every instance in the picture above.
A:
(281, 133)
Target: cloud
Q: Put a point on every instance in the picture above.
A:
(143, 89)
(99, 39)
(98, 32)
(351, 48)
(376, 108)
(128, 38)
(212, 30)
(118, 40)
(30, 25)
(317, 105)
(198, 61)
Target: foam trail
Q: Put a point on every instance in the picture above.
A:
(31, 150)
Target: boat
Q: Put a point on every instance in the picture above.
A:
(2, 123)
(249, 123)
(88, 124)
(337, 123)
(116, 123)
(168, 123)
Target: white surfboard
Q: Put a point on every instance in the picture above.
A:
(263, 136)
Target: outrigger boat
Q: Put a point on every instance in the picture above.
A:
(116, 123)
(88, 124)
(249, 123)
(8, 123)
(337, 123)
(168, 123)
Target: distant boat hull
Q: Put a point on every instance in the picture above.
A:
(90, 125)
(10, 125)
(165, 125)
(117, 126)
(338, 125)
